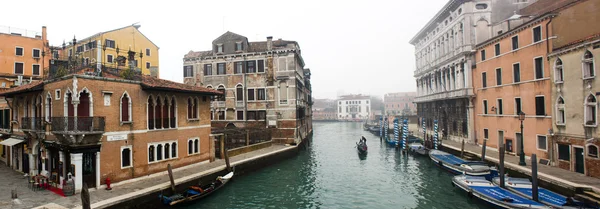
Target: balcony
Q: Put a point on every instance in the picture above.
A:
(220, 103)
(77, 125)
(35, 124)
(452, 94)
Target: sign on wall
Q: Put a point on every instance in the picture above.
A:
(116, 137)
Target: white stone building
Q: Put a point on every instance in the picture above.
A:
(354, 107)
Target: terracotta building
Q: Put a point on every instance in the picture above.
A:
(265, 85)
(99, 127)
(512, 76)
(324, 110)
(574, 60)
(400, 103)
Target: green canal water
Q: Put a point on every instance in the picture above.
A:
(330, 174)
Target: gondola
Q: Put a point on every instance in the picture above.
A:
(483, 189)
(361, 147)
(196, 192)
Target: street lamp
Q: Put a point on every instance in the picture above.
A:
(521, 152)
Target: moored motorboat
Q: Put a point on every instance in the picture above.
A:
(418, 148)
(196, 192)
(457, 165)
(523, 187)
(483, 189)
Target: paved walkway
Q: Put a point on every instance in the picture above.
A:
(121, 191)
(551, 174)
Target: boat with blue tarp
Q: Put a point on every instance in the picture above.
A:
(458, 165)
(523, 187)
(196, 192)
(483, 189)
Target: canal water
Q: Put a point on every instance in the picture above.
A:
(330, 174)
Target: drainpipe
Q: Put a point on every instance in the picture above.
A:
(11, 110)
(548, 35)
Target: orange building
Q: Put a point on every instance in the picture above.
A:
(512, 75)
(24, 53)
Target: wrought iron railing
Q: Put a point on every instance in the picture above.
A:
(33, 124)
(78, 124)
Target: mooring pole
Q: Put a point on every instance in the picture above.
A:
(483, 150)
(85, 197)
(502, 167)
(227, 160)
(462, 149)
(171, 177)
(534, 179)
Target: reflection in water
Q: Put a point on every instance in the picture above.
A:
(330, 175)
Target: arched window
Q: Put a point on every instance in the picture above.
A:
(190, 147)
(221, 88)
(158, 113)
(588, 65)
(560, 111)
(165, 113)
(239, 93)
(590, 110)
(48, 107)
(150, 113)
(125, 157)
(195, 110)
(167, 155)
(174, 150)
(196, 146)
(558, 71)
(173, 114)
(151, 153)
(125, 108)
(592, 151)
(189, 108)
(159, 149)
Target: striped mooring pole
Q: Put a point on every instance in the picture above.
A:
(381, 128)
(396, 131)
(435, 134)
(404, 133)
(387, 127)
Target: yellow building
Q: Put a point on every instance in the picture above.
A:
(118, 48)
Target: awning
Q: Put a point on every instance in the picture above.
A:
(11, 142)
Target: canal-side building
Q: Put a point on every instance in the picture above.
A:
(444, 60)
(354, 107)
(324, 110)
(574, 65)
(113, 49)
(109, 126)
(24, 54)
(400, 103)
(265, 85)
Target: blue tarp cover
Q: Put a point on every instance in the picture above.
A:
(544, 195)
(498, 193)
(451, 159)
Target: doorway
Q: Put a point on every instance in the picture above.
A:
(579, 167)
(89, 169)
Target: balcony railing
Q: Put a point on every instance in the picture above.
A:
(220, 103)
(36, 124)
(78, 125)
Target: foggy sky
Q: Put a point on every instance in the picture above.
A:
(350, 47)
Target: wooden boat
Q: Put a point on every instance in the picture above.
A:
(523, 187)
(196, 192)
(361, 147)
(457, 165)
(483, 189)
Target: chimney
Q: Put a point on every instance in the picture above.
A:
(269, 43)
(44, 36)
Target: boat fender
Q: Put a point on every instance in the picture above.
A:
(440, 163)
(470, 194)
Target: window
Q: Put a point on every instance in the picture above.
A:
(250, 94)
(482, 55)
(537, 34)
(239, 93)
(497, 49)
(251, 66)
(151, 153)
(57, 94)
(261, 66)
(481, 6)
(167, 149)
(564, 152)
(19, 68)
(515, 42)
(126, 157)
(540, 107)
(592, 151)
(516, 72)
(261, 94)
(485, 107)
(36, 69)
(110, 43)
(221, 115)
(539, 68)
(541, 142)
(560, 111)
(251, 115)
(484, 79)
(174, 150)
(147, 52)
(109, 58)
(188, 71)
(219, 48)
(262, 115)
(499, 76)
(517, 106)
(558, 71)
(240, 115)
(36, 53)
(125, 108)
(159, 150)
(238, 46)
(196, 146)
(147, 65)
(221, 69)
(190, 146)
(238, 68)
(207, 69)
(590, 110)
(485, 133)
(588, 65)
(500, 108)
(192, 108)
(283, 97)
(19, 51)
